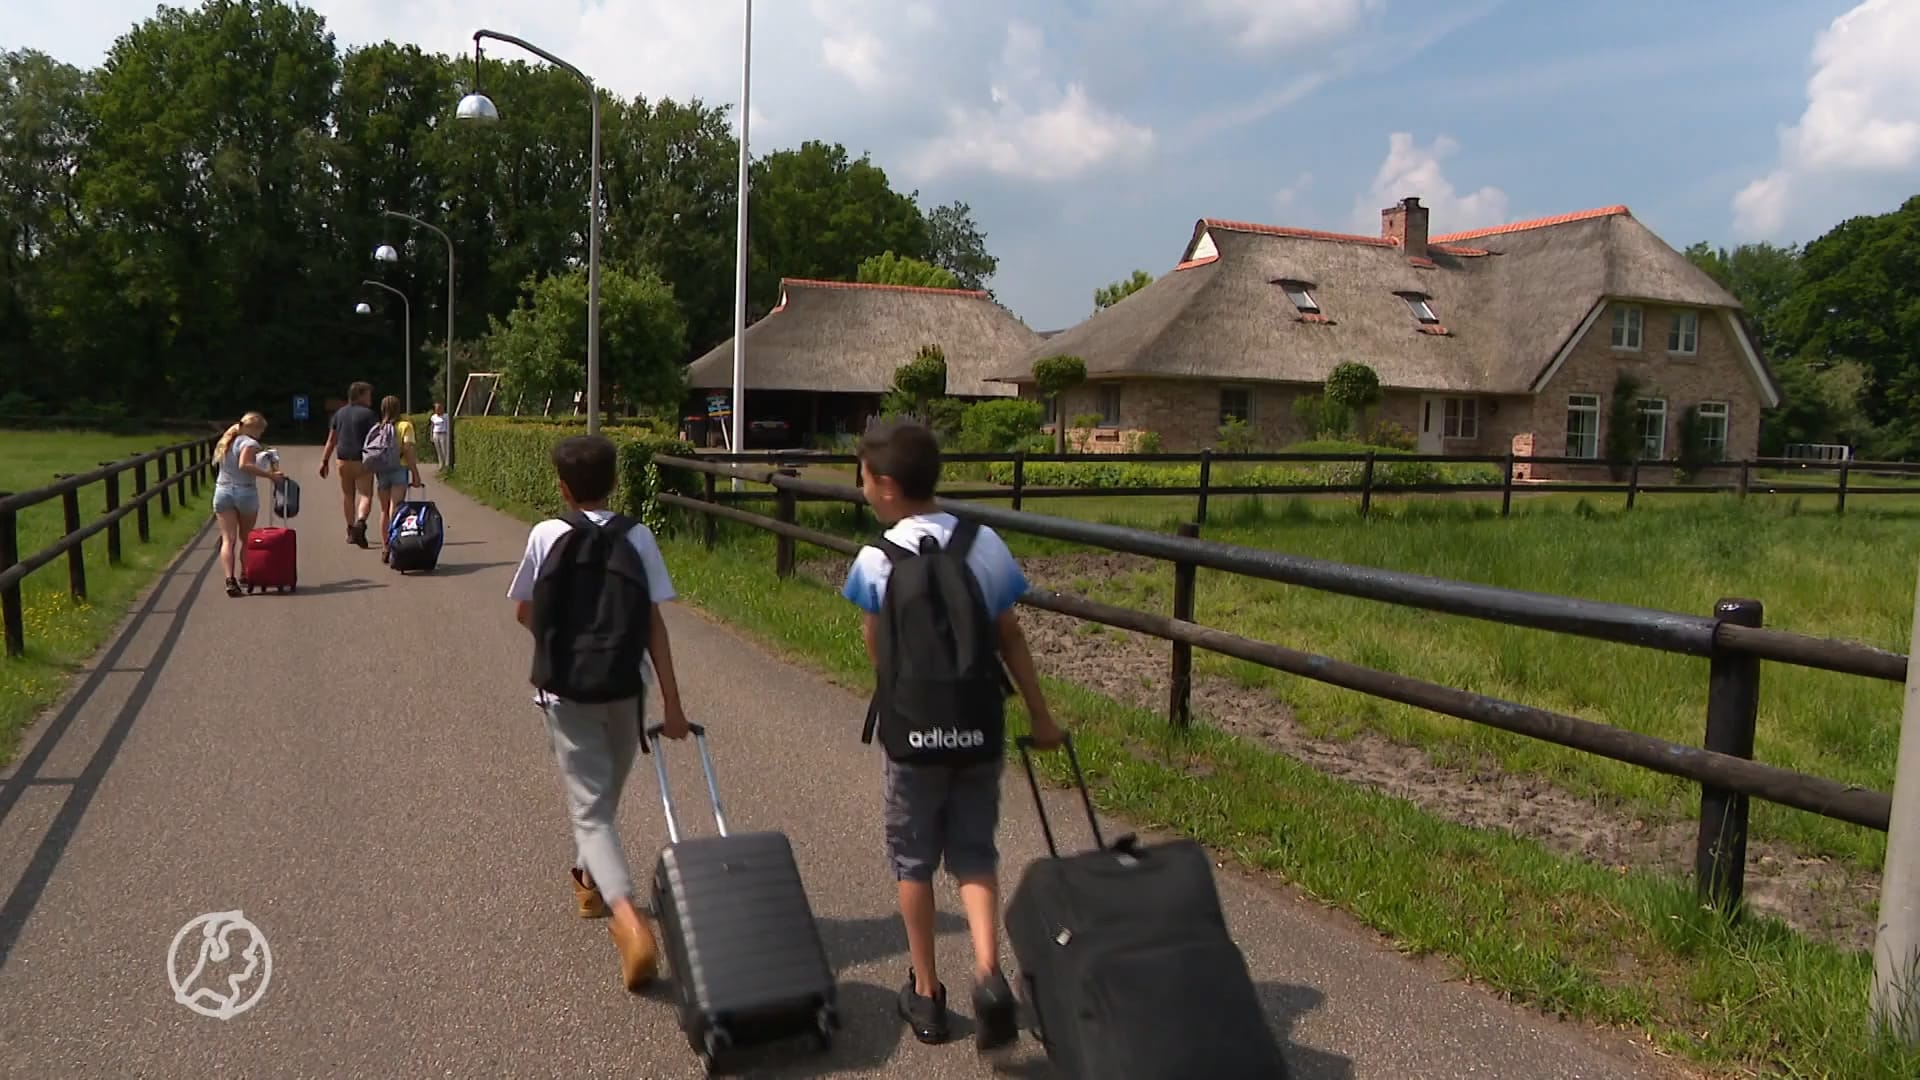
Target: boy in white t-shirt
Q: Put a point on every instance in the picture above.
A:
(594, 742)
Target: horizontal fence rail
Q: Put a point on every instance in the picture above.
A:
(1731, 639)
(1511, 482)
(190, 461)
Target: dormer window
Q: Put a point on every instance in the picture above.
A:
(1302, 299)
(1421, 309)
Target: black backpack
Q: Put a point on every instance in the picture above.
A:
(592, 614)
(941, 691)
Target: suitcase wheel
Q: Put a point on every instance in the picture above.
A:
(711, 1045)
(824, 1023)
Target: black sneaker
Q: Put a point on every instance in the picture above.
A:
(360, 534)
(927, 1016)
(994, 1012)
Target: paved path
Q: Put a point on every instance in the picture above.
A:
(402, 846)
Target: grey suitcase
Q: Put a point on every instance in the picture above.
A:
(739, 932)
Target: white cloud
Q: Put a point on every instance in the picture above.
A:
(1287, 197)
(1862, 119)
(1268, 26)
(1034, 129)
(1411, 170)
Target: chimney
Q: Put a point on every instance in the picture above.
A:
(1405, 223)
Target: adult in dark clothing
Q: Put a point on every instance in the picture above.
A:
(346, 435)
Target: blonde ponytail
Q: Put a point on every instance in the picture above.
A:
(226, 441)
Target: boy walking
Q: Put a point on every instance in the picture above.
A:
(938, 596)
(589, 588)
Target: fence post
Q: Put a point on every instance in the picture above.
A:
(1506, 487)
(1206, 478)
(1745, 477)
(140, 512)
(1633, 482)
(76, 557)
(160, 481)
(1840, 506)
(783, 544)
(709, 522)
(1019, 476)
(183, 460)
(1733, 706)
(113, 529)
(1896, 990)
(1366, 485)
(1180, 678)
(10, 613)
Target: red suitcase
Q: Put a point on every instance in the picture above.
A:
(271, 559)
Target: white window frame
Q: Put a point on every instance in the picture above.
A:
(1460, 419)
(1629, 326)
(1422, 307)
(1658, 450)
(1684, 342)
(1109, 417)
(1221, 413)
(1583, 405)
(1710, 412)
(1300, 297)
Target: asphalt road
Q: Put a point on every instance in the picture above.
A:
(359, 769)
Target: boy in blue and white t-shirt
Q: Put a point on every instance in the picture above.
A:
(938, 811)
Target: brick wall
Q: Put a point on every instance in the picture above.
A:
(1185, 413)
(1717, 371)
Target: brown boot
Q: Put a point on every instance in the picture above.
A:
(587, 895)
(639, 955)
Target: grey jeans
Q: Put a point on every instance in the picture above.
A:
(594, 746)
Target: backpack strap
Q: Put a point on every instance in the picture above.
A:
(961, 542)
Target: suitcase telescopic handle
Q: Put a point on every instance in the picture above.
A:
(652, 736)
(1025, 743)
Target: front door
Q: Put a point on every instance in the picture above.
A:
(1433, 418)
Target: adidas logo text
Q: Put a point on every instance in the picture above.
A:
(945, 739)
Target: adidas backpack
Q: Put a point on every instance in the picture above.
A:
(592, 613)
(940, 694)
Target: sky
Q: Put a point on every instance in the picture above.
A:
(1089, 135)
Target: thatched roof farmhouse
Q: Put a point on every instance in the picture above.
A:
(1483, 340)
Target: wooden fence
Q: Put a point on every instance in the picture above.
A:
(190, 460)
(1731, 639)
(1742, 480)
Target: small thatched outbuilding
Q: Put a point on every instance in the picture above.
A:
(820, 362)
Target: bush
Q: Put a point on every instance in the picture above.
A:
(1109, 474)
(1391, 436)
(1000, 426)
(511, 461)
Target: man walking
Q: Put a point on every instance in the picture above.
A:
(346, 436)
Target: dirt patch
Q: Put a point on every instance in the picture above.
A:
(1820, 897)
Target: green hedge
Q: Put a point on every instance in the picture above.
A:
(1095, 473)
(511, 460)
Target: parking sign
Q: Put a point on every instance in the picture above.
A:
(299, 406)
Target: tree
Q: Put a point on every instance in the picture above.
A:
(957, 245)
(1354, 388)
(1108, 295)
(1055, 375)
(818, 214)
(891, 269)
(1761, 277)
(923, 378)
(541, 347)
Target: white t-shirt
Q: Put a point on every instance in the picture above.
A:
(1001, 582)
(541, 540)
(439, 421)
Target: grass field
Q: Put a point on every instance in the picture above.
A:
(1630, 949)
(62, 633)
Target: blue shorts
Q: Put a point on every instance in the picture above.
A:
(941, 813)
(244, 500)
(394, 478)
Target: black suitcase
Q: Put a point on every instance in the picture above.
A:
(739, 932)
(1127, 964)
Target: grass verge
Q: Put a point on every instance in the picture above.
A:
(61, 632)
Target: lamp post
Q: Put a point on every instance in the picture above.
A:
(385, 253)
(478, 107)
(738, 402)
(406, 344)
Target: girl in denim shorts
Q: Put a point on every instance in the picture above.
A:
(236, 499)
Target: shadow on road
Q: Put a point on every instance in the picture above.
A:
(1285, 1004)
(852, 942)
(869, 1036)
(331, 587)
(26, 892)
(463, 569)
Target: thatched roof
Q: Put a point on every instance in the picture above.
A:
(1508, 299)
(842, 337)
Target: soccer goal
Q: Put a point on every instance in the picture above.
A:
(477, 396)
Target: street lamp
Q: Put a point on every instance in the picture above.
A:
(407, 342)
(478, 107)
(738, 403)
(385, 253)
(361, 308)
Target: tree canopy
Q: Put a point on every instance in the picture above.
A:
(184, 230)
